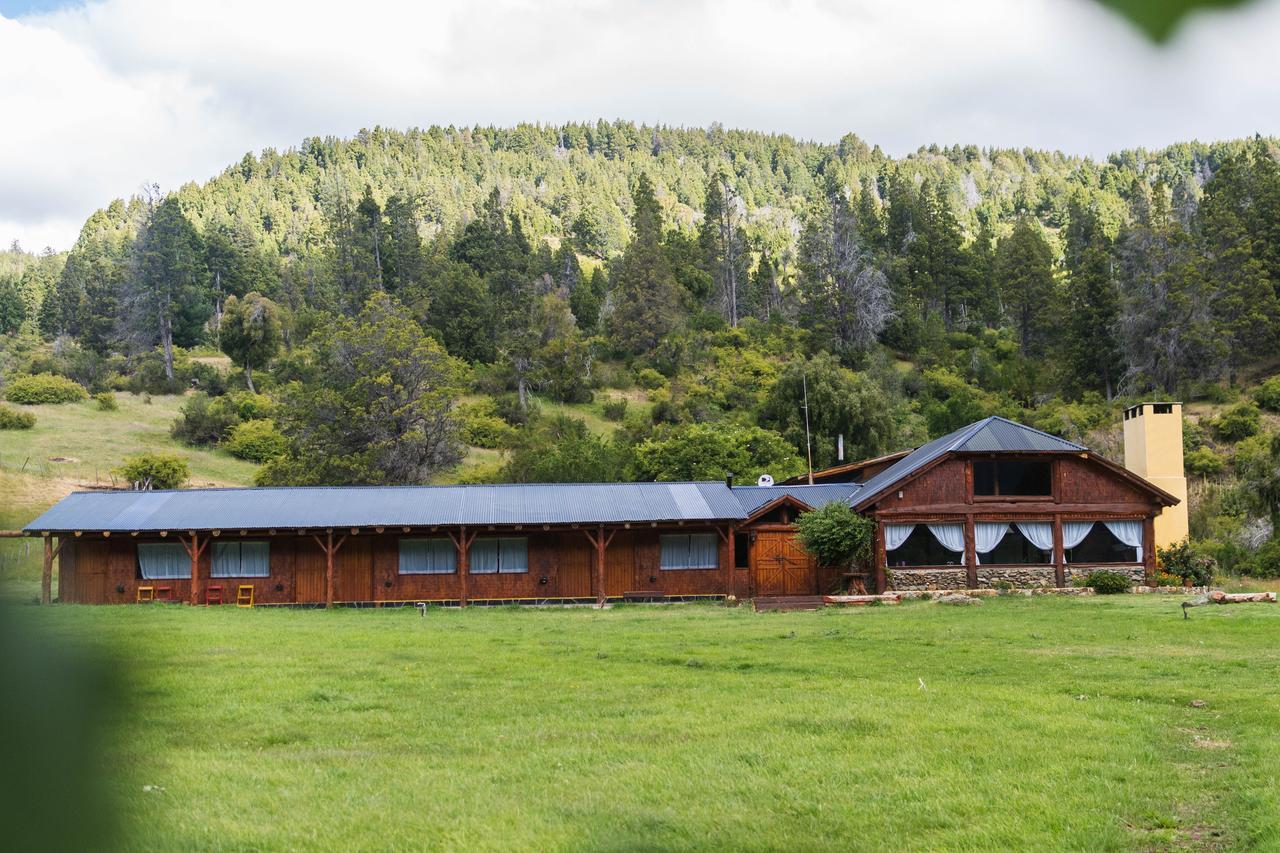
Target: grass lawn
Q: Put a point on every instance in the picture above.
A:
(1040, 723)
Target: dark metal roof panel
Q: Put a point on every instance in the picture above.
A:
(357, 506)
(754, 497)
(988, 434)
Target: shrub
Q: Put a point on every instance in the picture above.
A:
(507, 407)
(1240, 421)
(205, 421)
(481, 426)
(650, 379)
(1203, 462)
(256, 441)
(1267, 395)
(44, 388)
(11, 418)
(1166, 579)
(615, 409)
(155, 471)
(1265, 562)
(106, 401)
(1188, 562)
(1107, 583)
(836, 535)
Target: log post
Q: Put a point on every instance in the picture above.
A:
(1059, 554)
(1149, 548)
(881, 559)
(733, 559)
(600, 542)
(970, 552)
(194, 548)
(330, 548)
(46, 575)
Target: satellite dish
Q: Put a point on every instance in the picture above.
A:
(765, 480)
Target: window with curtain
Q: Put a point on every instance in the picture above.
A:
(163, 561)
(1022, 544)
(1100, 545)
(240, 560)
(1012, 478)
(922, 548)
(428, 557)
(499, 555)
(689, 551)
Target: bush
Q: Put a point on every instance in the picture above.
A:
(256, 441)
(1107, 583)
(481, 426)
(507, 407)
(614, 409)
(106, 401)
(650, 379)
(1188, 562)
(1238, 422)
(1203, 462)
(205, 421)
(1267, 395)
(836, 535)
(1265, 562)
(155, 471)
(11, 418)
(44, 388)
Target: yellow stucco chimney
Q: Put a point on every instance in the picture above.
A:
(1153, 451)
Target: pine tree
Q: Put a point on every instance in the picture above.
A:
(724, 251)
(251, 332)
(1024, 269)
(647, 295)
(1092, 305)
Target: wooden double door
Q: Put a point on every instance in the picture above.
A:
(781, 566)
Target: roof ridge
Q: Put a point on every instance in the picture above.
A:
(389, 487)
(1035, 430)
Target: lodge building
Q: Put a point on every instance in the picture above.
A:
(994, 501)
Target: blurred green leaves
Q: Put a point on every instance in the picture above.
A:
(1159, 19)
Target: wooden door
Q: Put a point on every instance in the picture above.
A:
(781, 565)
(89, 584)
(353, 570)
(620, 565)
(308, 572)
(574, 558)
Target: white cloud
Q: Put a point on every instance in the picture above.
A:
(103, 97)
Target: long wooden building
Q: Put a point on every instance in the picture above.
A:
(994, 501)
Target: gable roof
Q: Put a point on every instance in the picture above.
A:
(410, 506)
(754, 498)
(987, 435)
(846, 468)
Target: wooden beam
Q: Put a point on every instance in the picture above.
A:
(971, 552)
(882, 560)
(1059, 554)
(194, 548)
(46, 575)
(733, 562)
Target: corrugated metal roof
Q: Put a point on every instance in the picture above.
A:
(357, 506)
(754, 497)
(988, 434)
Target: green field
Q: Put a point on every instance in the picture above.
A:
(1040, 723)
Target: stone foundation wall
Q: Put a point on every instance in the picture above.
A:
(1136, 574)
(1022, 577)
(906, 579)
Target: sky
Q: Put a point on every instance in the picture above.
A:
(102, 97)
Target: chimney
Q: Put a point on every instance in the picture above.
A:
(1153, 451)
(728, 480)
(840, 447)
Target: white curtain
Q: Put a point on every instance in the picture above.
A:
(1073, 533)
(986, 536)
(240, 560)
(950, 536)
(896, 534)
(428, 557)
(689, 551)
(483, 557)
(513, 555)
(1038, 533)
(163, 561)
(1128, 532)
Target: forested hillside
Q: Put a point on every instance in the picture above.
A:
(397, 301)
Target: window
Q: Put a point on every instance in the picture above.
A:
(428, 557)
(690, 551)
(240, 560)
(922, 548)
(741, 551)
(1012, 478)
(1016, 549)
(1100, 545)
(499, 556)
(163, 561)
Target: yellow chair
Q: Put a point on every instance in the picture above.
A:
(146, 593)
(244, 595)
